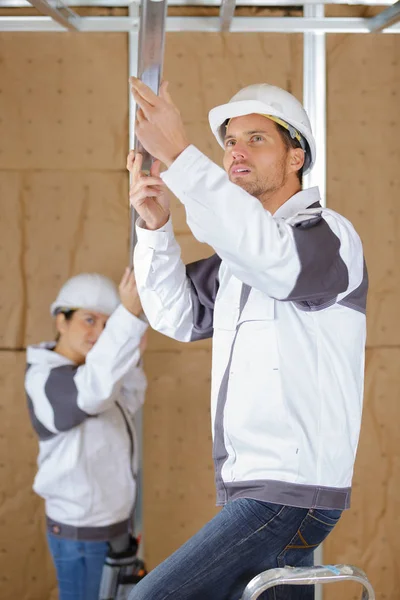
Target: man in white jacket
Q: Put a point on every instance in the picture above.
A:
(284, 299)
(82, 393)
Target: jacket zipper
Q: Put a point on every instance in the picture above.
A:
(130, 434)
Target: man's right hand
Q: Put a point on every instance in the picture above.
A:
(148, 194)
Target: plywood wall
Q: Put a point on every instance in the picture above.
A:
(363, 184)
(63, 142)
(26, 571)
(64, 210)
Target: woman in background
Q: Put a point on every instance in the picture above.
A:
(82, 392)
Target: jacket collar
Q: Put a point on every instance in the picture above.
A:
(300, 201)
(44, 354)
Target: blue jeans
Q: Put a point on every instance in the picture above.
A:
(79, 567)
(244, 539)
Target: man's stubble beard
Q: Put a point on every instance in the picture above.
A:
(264, 188)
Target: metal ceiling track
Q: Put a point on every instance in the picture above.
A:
(206, 24)
(152, 25)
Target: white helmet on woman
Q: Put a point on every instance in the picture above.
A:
(87, 291)
(274, 103)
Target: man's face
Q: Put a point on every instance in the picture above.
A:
(256, 157)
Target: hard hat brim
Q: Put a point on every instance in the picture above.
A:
(65, 307)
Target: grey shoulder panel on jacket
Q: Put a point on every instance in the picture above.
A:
(204, 282)
(42, 432)
(62, 394)
(323, 274)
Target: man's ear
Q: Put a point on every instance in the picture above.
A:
(296, 159)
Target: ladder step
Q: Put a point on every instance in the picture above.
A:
(307, 576)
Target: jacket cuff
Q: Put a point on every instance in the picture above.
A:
(157, 239)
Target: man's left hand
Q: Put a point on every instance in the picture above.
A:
(159, 126)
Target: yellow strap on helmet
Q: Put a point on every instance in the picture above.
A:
(293, 132)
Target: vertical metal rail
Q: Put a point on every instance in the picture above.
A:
(314, 100)
(146, 53)
(133, 70)
(314, 96)
(226, 14)
(149, 61)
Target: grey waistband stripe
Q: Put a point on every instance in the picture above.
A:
(286, 493)
(88, 534)
(220, 453)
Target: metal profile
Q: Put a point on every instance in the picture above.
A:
(385, 19)
(203, 24)
(314, 97)
(226, 14)
(146, 53)
(60, 13)
(149, 70)
(257, 3)
(314, 101)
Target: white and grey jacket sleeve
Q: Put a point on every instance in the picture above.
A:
(61, 396)
(178, 300)
(310, 260)
(133, 388)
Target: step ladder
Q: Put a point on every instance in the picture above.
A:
(121, 572)
(307, 576)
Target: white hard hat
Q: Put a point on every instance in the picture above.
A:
(270, 101)
(87, 291)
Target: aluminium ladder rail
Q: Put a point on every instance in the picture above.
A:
(307, 576)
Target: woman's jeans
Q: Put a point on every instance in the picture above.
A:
(79, 567)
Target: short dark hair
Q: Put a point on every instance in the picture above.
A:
(68, 314)
(290, 143)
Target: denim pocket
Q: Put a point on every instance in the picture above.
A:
(54, 543)
(329, 518)
(315, 527)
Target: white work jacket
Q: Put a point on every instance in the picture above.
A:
(83, 417)
(284, 299)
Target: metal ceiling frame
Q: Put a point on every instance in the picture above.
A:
(204, 24)
(59, 12)
(257, 3)
(60, 17)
